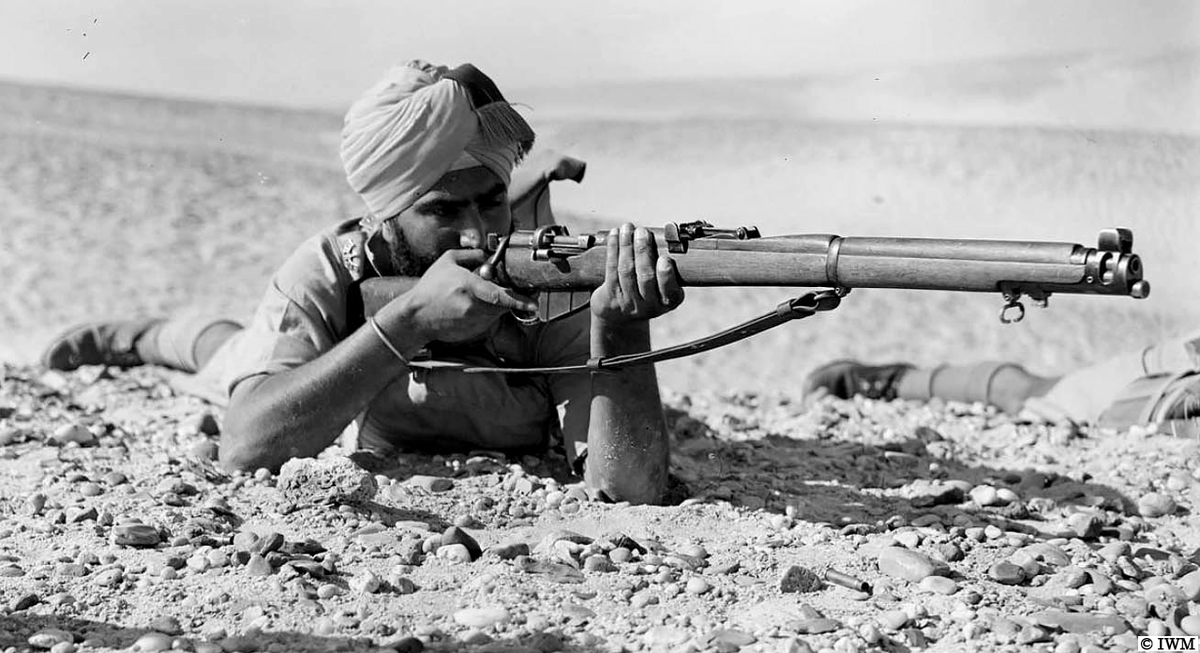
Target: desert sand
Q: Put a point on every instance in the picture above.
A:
(970, 529)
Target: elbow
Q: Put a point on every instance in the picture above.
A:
(244, 445)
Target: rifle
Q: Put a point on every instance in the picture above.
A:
(564, 269)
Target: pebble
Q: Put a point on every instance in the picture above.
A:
(152, 643)
(72, 433)
(456, 535)
(1085, 525)
(48, 637)
(1078, 622)
(137, 535)
(455, 553)
(431, 483)
(23, 601)
(697, 586)
(1007, 573)
(939, 585)
(257, 565)
(1190, 625)
(799, 579)
(1114, 551)
(893, 619)
(481, 617)
(909, 565)
(1190, 585)
(1164, 599)
(665, 637)
(815, 626)
(1155, 504)
(985, 495)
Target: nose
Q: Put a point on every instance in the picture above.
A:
(470, 231)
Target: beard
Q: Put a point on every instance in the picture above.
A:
(406, 261)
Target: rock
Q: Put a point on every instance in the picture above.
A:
(939, 585)
(727, 640)
(1113, 551)
(1072, 577)
(239, 644)
(1190, 585)
(1032, 635)
(1164, 599)
(268, 543)
(335, 480)
(1190, 625)
(949, 552)
(815, 626)
(509, 551)
(799, 579)
(985, 495)
(407, 645)
(697, 586)
(598, 564)
(1155, 504)
(455, 553)
(431, 483)
(1048, 553)
(72, 433)
(1085, 525)
(893, 619)
(152, 643)
(137, 535)
(1079, 622)
(23, 601)
(257, 565)
(908, 565)
(77, 515)
(48, 637)
(481, 617)
(1007, 573)
(665, 637)
(456, 535)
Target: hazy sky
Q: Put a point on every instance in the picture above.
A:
(322, 53)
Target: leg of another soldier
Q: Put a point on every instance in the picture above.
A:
(1004, 385)
(184, 343)
(1085, 393)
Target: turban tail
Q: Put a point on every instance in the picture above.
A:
(418, 123)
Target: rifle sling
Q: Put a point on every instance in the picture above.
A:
(793, 309)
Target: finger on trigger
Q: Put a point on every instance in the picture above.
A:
(500, 296)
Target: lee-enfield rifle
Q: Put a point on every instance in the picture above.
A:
(563, 270)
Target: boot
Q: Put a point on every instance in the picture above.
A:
(98, 343)
(846, 378)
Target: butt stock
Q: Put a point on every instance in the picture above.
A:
(562, 266)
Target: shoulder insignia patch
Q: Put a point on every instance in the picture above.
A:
(352, 257)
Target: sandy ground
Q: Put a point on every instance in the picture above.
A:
(115, 206)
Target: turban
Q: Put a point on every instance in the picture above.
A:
(420, 122)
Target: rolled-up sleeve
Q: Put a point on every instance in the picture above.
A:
(301, 316)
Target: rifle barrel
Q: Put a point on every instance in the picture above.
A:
(1035, 268)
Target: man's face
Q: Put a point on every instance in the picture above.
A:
(461, 209)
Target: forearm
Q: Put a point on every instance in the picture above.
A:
(300, 412)
(627, 434)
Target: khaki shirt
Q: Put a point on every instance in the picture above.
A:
(305, 313)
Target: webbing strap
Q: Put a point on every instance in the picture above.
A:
(794, 309)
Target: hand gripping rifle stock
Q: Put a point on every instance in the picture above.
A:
(563, 269)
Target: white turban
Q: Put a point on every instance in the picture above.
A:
(420, 122)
